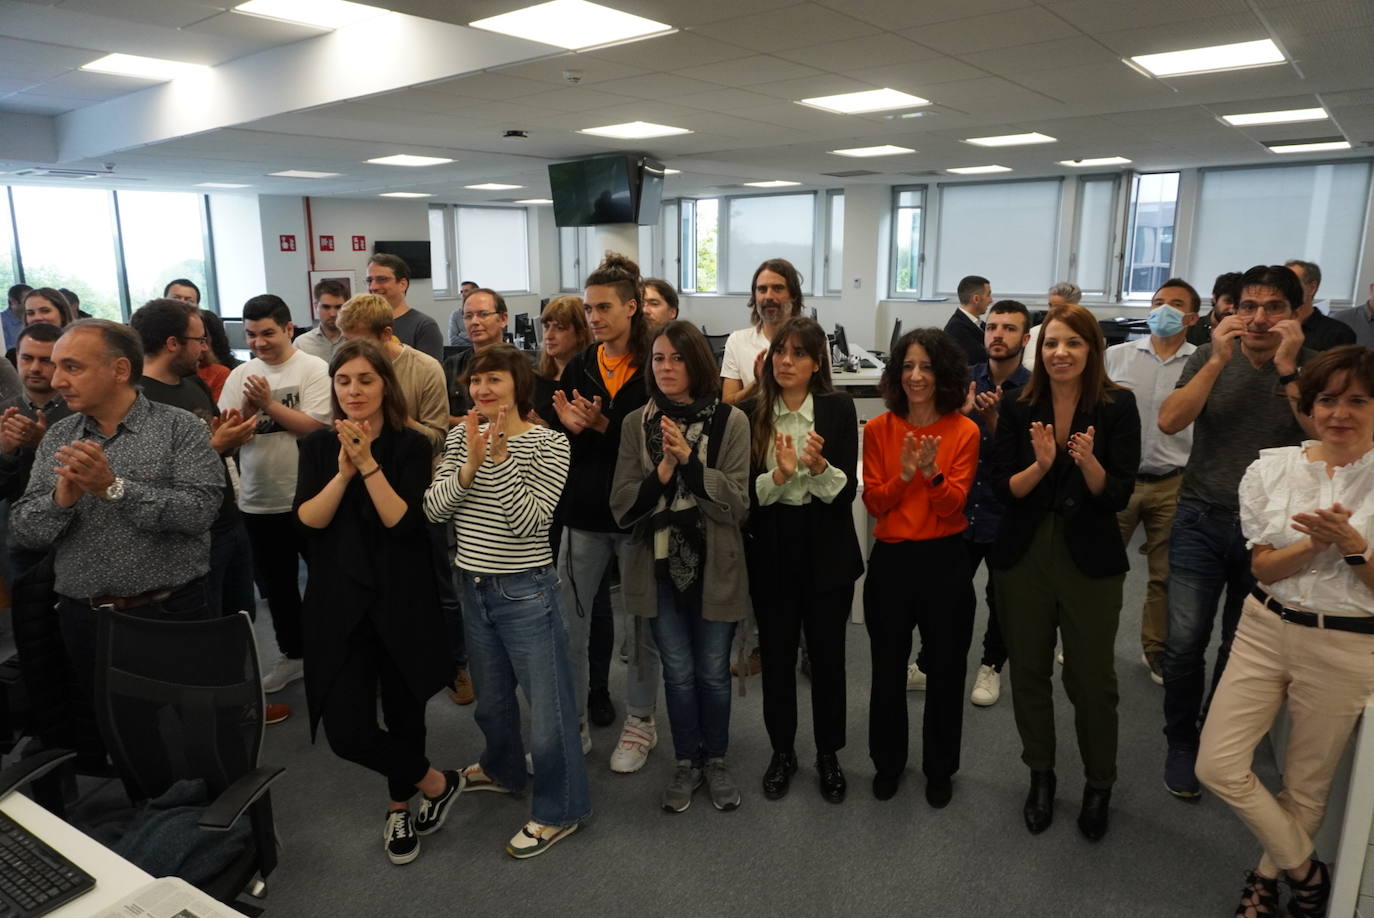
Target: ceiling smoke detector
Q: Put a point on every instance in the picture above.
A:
(572, 76)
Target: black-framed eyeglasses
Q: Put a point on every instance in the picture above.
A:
(479, 316)
(203, 339)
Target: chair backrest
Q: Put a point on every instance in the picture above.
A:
(179, 699)
(717, 344)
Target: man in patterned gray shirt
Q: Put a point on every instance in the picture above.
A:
(123, 489)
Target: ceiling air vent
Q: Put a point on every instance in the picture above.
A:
(851, 173)
(50, 172)
(924, 174)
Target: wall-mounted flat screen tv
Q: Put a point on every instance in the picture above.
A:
(414, 254)
(625, 188)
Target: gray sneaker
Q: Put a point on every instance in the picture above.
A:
(677, 796)
(721, 785)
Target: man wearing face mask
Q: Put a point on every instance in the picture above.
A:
(1151, 367)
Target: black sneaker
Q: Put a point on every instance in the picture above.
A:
(401, 843)
(433, 810)
(1179, 775)
(600, 711)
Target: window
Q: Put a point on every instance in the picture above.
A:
(1270, 214)
(493, 247)
(764, 227)
(163, 233)
(9, 272)
(699, 231)
(668, 243)
(1091, 262)
(67, 239)
(570, 271)
(687, 245)
(1150, 253)
(907, 204)
(1004, 230)
(834, 246)
(439, 247)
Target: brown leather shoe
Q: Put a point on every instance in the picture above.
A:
(461, 693)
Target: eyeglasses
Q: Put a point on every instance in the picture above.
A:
(379, 280)
(203, 339)
(1273, 309)
(479, 316)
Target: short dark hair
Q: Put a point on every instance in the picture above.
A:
(664, 289)
(1016, 306)
(1180, 282)
(160, 319)
(948, 361)
(40, 331)
(119, 340)
(71, 296)
(1227, 284)
(16, 294)
(465, 283)
(703, 375)
(331, 287)
(181, 282)
(505, 358)
(1354, 360)
(393, 402)
(496, 298)
(55, 297)
(790, 275)
(267, 306)
(1311, 271)
(1276, 277)
(969, 286)
(396, 263)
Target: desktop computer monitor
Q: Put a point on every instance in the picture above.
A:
(892, 344)
(524, 331)
(840, 344)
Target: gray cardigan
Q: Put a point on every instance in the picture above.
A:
(724, 506)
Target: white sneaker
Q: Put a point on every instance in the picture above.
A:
(987, 687)
(283, 673)
(1060, 657)
(637, 737)
(586, 748)
(915, 679)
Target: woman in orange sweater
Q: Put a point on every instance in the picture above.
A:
(919, 462)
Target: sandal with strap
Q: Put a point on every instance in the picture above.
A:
(1311, 894)
(1259, 898)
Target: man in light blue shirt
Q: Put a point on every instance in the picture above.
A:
(457, 329)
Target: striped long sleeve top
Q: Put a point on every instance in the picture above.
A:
(502, 518)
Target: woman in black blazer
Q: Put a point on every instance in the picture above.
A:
(1063, 463)
(803, 553)
(371, 611)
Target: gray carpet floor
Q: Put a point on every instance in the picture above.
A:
(797, 856)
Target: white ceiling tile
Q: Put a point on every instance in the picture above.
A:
(489, 86)
(577, 99)
(798, 27)
(254, 32)
(656, 86)
(725, 100)
(991, 31)
(749, 71)
(173, 13)
(671, 52)
(590, 70)
(868, 51)
(896, 16)
(914, 76)
(1095, 16)
(79, 84)
(37, 104)
(1196, 33)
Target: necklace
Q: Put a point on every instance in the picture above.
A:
(611, 366)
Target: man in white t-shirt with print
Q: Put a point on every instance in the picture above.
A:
(775, 295)
(288, 391)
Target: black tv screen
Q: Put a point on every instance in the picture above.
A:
(606, 189)
(414, 254)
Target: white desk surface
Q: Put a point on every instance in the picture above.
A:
(858, 378)
(115, 877)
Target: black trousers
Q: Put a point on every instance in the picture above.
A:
(925, 585)
(994, 646)
(276, 567)
(349, 715)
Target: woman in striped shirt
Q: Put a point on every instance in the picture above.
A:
(499, 483)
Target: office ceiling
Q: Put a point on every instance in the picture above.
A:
(730, 75)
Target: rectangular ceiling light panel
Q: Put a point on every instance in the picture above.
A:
(870, 100)
(319, 14)
(1215, 58)
(573, 24)
(1287, 116)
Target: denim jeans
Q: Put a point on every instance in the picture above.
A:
(1207, 554)
(516, 636)
(229, 585)
(581, 565)
(696, 675)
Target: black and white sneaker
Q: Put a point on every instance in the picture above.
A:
(401, 843)
(433, 810)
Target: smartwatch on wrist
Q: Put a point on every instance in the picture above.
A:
(1362, 558)
(1287, 378)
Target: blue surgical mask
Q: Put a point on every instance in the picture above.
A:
(1165, 321)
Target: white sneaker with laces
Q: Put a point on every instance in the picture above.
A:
(915, 679)
(987, 687)
(281, 674)
(637, 737)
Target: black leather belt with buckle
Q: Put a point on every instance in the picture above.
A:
(1357, 623)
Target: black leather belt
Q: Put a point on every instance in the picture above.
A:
(1359, 624)
(151, 597)
(1148, 477)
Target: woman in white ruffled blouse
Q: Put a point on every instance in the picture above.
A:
(1306, 634)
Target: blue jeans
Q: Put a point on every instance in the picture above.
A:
(696, 675)
(516, 636)
(1207, 554)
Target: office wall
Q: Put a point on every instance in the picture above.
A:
(236, 226)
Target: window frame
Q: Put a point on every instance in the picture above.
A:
(811, 286)
(452, 239)
(942, 187)
(920, 247)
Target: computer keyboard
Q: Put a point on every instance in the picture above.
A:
(34, 879)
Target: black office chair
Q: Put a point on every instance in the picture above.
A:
(180, 700)
(717, 343)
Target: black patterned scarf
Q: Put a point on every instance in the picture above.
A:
(679, 533)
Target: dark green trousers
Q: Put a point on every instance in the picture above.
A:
(1040, 595)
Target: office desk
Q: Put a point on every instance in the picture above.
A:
(115, 877)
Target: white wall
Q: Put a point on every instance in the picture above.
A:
(285, 273)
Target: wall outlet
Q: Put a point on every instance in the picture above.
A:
(858, 283)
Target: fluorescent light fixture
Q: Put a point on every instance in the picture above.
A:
(634, 130)
(1238, 56)
(302, 173)
(573, 24)
(977, 170)
(672, 171)
(321, 14)
(535, 201)
(147, 68)
(1010, 140)
(220, 185)
(1311, 146)
(886, 149)
(1288, 116)
(404, 194)
(1095, 161)
(773, 183)
(869, 100)
(493, 186)
(406, 159)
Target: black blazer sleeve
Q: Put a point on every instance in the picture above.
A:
(967, 336)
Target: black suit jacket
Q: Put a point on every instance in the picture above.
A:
(1090, 519)
(829, 535)
(967, 336)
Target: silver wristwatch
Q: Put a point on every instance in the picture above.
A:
(115, 491)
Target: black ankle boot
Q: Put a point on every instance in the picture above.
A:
(1092, 818)
(1311, 894)
(778, 778)
(1039, 808)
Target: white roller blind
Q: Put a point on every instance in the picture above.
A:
(493, 247)
(1004, 231)
(774, 226)
(1096, 204)
(438, 251)
(1269, 215)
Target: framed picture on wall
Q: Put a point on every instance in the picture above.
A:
(346, 276)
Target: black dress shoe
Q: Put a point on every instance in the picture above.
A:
(600, 710)
(833, 784)
(939, 791)
(1039, 808)
(885, 786)
(778, 777)
(1092, 819)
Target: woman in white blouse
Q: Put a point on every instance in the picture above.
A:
(1306, 634)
